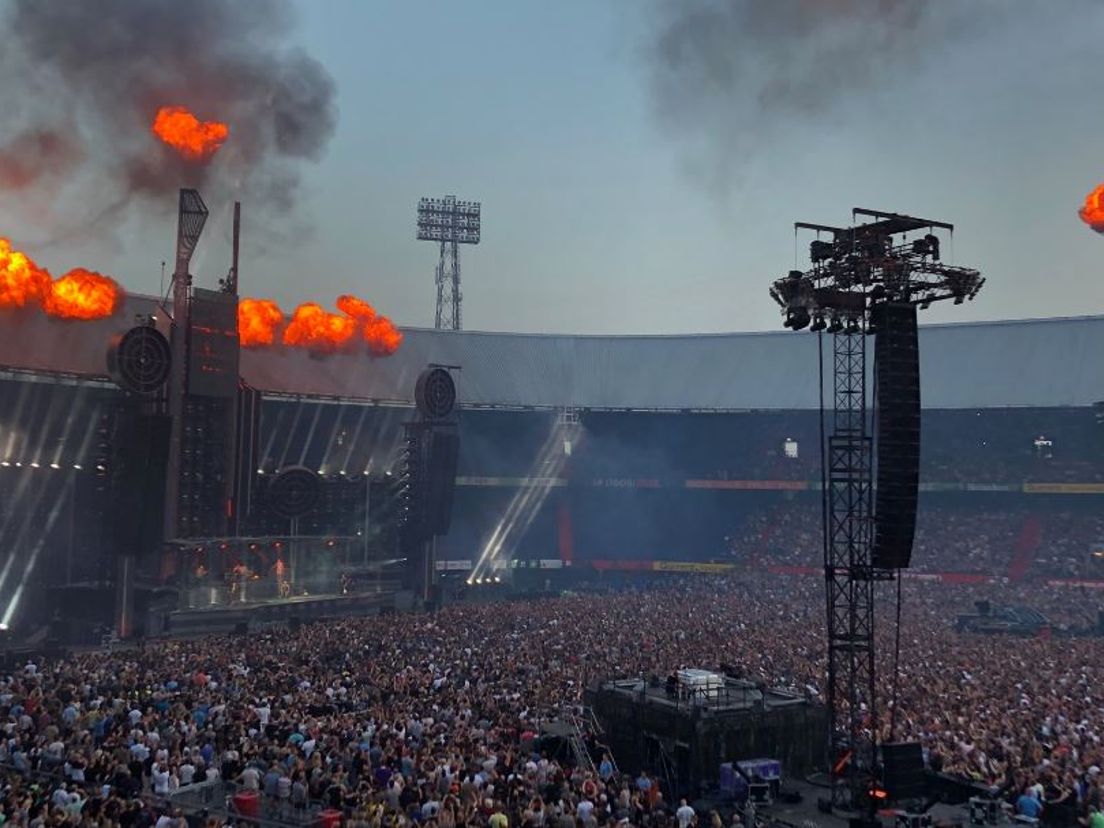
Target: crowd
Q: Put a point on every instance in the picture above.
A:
(967, 540)
(949, 539)
(433, 719)
(1069, 541)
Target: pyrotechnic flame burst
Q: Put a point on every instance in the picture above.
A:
(82, 294)
(79, 294)
(261, 323)
(194, 139)
(315, 328)
(1092, 211)
(258, 320)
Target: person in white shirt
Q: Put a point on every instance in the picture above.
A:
(251, 778)
(684, 814)
(159, 778)
(264, 713)
(584, 809)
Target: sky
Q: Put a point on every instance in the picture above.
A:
(609, 206)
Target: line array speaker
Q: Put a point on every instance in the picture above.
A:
(443, 455)
(140, 453)
(897, 374)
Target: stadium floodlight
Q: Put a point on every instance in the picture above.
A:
(450, 223)
(448, 220)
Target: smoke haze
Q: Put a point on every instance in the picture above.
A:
(84, 80)
(727, 75)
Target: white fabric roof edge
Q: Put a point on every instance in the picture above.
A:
(1056, 362)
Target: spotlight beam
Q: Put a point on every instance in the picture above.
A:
(43, 534)
(526, 503)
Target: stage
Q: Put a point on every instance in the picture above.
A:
(241, 617)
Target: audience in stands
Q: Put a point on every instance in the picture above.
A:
(997, 543)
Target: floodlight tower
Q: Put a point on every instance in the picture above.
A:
(868, 278)
(451, 223)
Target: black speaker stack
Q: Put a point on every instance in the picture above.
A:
(430, 460)
(136, 480)
(897, 400)
(443, 455)
(903, 770)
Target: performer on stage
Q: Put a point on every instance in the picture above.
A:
(279, 569)
(237, 576)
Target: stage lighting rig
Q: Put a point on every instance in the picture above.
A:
(868, 278)
(882, 260)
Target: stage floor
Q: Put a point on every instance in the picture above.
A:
(244, 615)
(293, 600)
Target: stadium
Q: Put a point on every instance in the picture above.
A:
(284, 565)
(587, 465)
(605, 454)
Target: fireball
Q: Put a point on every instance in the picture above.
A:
(195, 140)
(258, 320)
(79, 294)
(1092, 211)
(82, 294)
(22, 282)
(313, 327)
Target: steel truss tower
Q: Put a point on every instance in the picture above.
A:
(848, 574)
(450, 223)
(860, 268)
(448, 288)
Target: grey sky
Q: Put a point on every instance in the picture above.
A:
(605, 214)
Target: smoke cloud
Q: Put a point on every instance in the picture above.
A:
(730, 74)
(36, 156)
(83, 82)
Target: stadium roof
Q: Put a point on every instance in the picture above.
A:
(1038, 363)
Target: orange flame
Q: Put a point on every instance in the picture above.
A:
(22, 282)
(316, 329)
(1092, 211)
(382, 336)
(379, 332)
(258, 320)
(355, 307)
(79, 294)
(313, 327)
(82, 294)
(194, 139)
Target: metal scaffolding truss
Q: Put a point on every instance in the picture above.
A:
(891, 258)
(849, 576)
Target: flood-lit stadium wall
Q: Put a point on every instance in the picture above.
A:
(677, 434)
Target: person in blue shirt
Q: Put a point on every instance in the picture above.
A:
(1028, 805)
(605, 769)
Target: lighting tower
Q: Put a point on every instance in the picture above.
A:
(451, 223)
(866, 279)
(191, 216)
